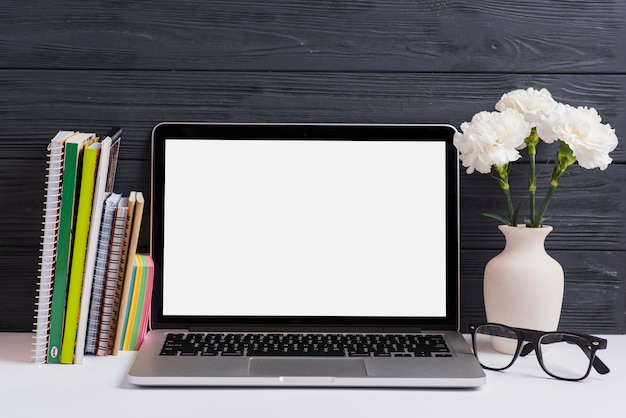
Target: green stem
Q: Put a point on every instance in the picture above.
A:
(544, 207)
(531, 142)
(503, 180)
(532, 182)
(565, 158)
(509, 205)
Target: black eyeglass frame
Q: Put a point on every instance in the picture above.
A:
(533, 340)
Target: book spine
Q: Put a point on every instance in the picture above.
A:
(111, 278)
(83, 218)
(124, 321)
(137, 303)
(100, 273)
(43, 303)
(121, 274)
(147, 301)
(129, 274)
(71, 169)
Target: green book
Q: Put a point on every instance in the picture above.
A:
(70, 183)
(52, 206)
(83, 218)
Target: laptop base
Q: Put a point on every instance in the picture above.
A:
(151, 369)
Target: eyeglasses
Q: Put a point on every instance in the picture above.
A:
(563, 355)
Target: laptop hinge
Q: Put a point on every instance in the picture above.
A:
(303, 330)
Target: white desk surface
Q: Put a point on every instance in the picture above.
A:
(99, 388)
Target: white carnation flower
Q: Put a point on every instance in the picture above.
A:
(548, 126)
(582, 129)
(531, 103)
(491, 138)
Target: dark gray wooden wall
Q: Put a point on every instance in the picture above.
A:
(88, 65)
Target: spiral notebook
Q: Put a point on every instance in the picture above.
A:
(48, 245)
(305, 255)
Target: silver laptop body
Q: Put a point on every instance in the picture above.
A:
(274, 243)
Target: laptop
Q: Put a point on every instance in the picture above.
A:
(317, 255)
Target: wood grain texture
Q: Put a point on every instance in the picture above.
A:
(594, 286)
(34, 100)
(17, 287)
(428, 36)
(90, 65)
(588, 209)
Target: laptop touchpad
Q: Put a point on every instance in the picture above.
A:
(306, 367)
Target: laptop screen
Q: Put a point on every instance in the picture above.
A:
(311, 225)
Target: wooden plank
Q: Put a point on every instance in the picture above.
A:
(35, 103)
(275, 35)
(595, 289)
(17, 288)
(588, 209)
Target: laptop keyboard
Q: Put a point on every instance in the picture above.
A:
(305, 345)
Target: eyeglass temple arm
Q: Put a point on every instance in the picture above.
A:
(597, 363)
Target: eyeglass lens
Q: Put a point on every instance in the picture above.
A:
(563, 355)
(495, 346)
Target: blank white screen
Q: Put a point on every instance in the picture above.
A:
(304, 228)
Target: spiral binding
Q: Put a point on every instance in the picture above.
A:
(47, 257)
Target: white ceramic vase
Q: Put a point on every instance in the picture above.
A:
(523, 285)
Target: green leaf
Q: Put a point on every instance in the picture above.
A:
(514, 220)
(538, 222)
(497, 218)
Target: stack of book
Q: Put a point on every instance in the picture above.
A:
(94, 290)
